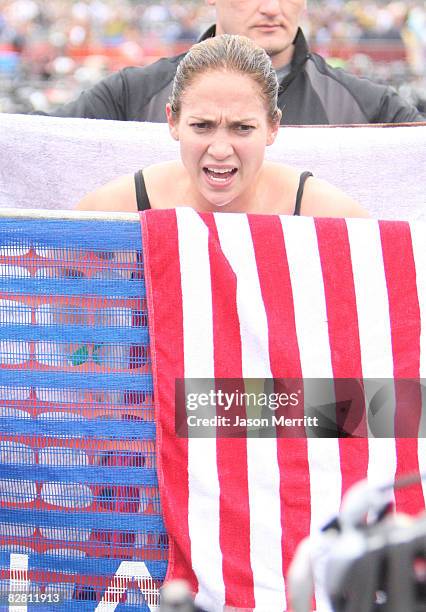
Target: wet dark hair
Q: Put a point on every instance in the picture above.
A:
(231, 53)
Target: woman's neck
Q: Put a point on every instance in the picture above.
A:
(249, 201)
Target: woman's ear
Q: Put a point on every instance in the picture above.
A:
(273, 130)
(171, 120)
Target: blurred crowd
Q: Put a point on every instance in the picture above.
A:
(401, 25)
(52, 49)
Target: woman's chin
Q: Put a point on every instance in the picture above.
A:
(220, 203)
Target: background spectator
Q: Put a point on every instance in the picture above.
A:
(51, 49)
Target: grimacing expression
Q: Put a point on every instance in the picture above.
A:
(271, 24)
(223, 129)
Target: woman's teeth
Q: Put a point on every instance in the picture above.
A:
(220, 175)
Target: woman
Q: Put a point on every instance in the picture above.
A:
(223, 111)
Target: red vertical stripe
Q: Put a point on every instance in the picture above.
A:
(404, 312)
(340, 297)
(164, 296)
(231, 453)
(274, 277)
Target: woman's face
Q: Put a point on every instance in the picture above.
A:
(223, 129)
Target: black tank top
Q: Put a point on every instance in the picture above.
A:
(144, 204)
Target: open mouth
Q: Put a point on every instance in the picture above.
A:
(221, 176)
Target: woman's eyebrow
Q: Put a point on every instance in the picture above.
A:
(231, 123)
(244, 120)
(203, 119)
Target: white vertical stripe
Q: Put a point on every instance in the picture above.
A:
(236, 243)
(204, 490)
(315, 356)
(418, 237)
(314, 346)
(263, 470)
(374, 332)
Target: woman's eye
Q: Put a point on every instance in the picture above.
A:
(245, 129)
(200, 125)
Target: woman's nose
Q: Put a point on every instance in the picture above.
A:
(220, 148)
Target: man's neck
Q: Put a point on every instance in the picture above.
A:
(283, 71)
(283, 59)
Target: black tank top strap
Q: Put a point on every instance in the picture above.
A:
(303, 177)
(141, 194)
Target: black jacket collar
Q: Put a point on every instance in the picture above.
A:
(301, 50)
(208, 33)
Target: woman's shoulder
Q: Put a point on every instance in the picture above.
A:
(117, 195)
(280, 184)
(282, 176)
(280, 171)
(163, 181)
(319, 199)
(157, 172)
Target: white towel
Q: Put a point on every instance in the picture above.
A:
(49, 162)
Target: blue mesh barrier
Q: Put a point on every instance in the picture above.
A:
(78, 486)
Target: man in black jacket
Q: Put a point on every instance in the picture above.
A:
(311, 93)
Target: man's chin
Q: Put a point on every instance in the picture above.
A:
(273, 44)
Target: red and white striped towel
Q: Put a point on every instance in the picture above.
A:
(253, 296)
